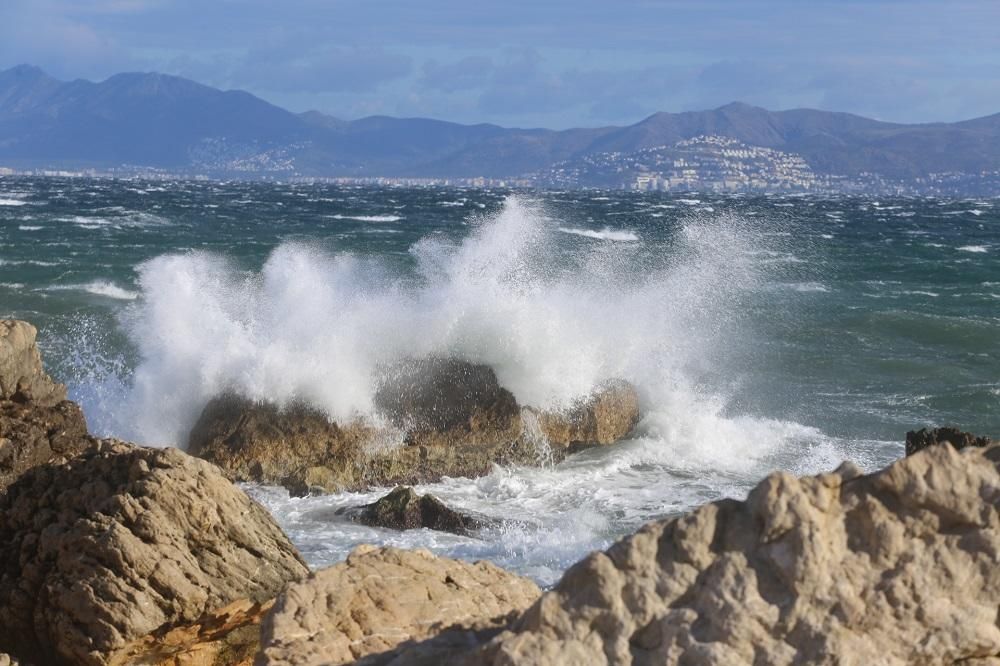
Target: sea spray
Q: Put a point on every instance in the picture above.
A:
(554, 319)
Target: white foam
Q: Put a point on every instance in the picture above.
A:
(27, 227)
(973, 248)
(604, 234)
(12, 202)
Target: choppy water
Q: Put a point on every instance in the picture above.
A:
(762, 332)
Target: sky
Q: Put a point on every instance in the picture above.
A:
(544, 63)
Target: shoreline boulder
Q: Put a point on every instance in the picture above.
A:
(445, 418)
(380, 598)
(920, 439)
(404, 509)
(123, 540)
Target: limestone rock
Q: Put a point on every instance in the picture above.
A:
(31, 435)
(379, 598)
(921, 439)
(22, 377)
(897, 567)
(260, 442)
(228, 636)
(404, 509)
(607, 416)
(121, 541)
(447, 418)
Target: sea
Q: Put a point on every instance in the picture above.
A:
(763, 333)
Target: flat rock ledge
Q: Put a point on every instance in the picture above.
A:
(443, 418)
(363, 609)
(121, 541)
(896, 567)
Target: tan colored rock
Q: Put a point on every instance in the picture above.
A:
(22, 377)
(607, 416)
(364, 608)
(121, 541)
(228, 636)
(897, 567)
(447, 418)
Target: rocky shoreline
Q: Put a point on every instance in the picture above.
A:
(114, 553)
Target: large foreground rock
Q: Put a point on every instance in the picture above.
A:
(121, 541)
(444, 418)
(898, 567)
(382, 597)
(22, 377)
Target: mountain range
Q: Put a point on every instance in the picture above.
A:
(166, 122)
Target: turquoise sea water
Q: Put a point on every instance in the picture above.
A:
(762, 332)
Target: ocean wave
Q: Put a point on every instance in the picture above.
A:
(979, 249)
(368, 218)
(29, 227)
(12, 202)
(604, 234)
(549, 321)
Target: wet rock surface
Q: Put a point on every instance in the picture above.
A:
(920, 439)
(404, 509)
(446, 418)
(363, 609)
(121, 541)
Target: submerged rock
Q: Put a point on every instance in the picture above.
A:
(365, 607)
(121, 541)
(920, 439)
(22, 377)
(447, 418)
(897, 567)
(404, 509)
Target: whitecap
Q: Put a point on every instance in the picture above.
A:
(12, 202)
(979, 249)
(104, 288)
(367, 218)
(604, 234)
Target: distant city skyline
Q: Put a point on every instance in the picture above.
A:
(551, 64)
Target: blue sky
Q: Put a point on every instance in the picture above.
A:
(551, 63)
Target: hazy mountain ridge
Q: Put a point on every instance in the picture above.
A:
(161, 121)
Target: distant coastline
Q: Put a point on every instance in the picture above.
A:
(159, 126)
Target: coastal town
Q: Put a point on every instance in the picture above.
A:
(705, 163)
